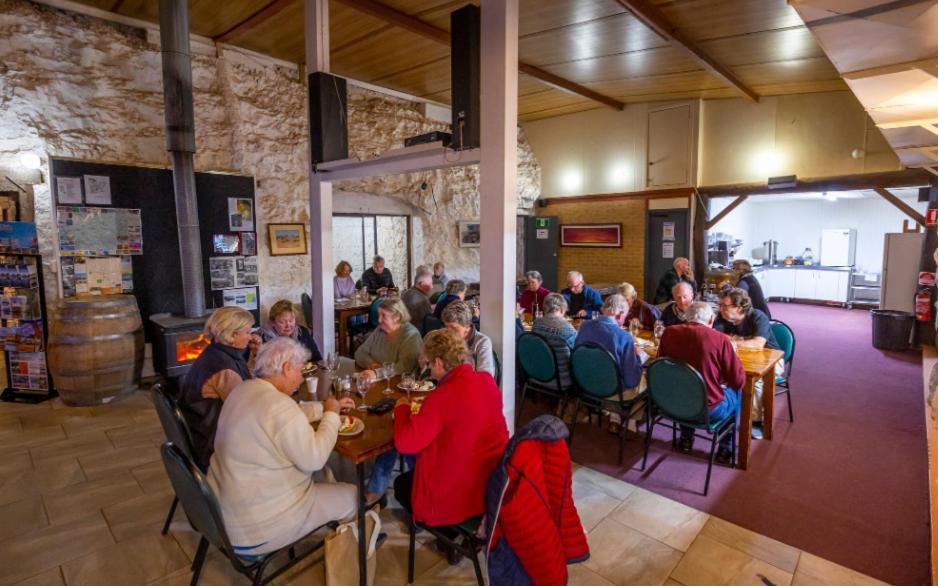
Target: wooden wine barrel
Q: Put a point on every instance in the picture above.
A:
(95, 348)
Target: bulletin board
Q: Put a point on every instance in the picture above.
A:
(156, 269)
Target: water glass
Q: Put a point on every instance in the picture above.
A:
(659, 331)
(362, 383)
(408, 383)
(388, 373)
(633, 328)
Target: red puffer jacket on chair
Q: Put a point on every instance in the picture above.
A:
(533, 526)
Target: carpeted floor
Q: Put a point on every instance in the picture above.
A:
(846, 481)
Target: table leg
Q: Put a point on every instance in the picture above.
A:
(745, 422)
(768, 403)
(362, 559)
(343, 334)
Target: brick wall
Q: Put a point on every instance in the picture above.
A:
(603, 265)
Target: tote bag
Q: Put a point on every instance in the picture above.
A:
(342, 551)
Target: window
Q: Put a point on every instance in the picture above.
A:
(357, 239)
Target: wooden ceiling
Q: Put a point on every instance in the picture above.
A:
(598, 45)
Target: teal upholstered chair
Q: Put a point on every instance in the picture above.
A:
(539, 366)
(786, 339)
(599, 385)
(430, 323)
(677, 393)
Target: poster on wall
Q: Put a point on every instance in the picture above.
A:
(104, 276)
(246, 271)
(29, 370)
(97, 190)
(240, 214)
(87, 231)
(245, 298)
(222, 272)
(248, 243)
(667, 231)
(68, 190)
(667, 250)
(127, 274)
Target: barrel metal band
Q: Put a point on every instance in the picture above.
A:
(85, 339)
(98, 316)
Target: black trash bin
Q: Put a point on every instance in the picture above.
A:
(892, 329)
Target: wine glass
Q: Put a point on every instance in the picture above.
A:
(388, 368)
(362, 383)
(407, 382)
(659, 331)
(633, 328)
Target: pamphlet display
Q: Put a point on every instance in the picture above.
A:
(86, 231)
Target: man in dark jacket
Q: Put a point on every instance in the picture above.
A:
(582, 300)
(378, 279)
(680, 272)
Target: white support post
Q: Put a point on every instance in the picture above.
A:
(498, 178)
(316, 14)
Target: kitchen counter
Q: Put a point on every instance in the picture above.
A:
(806, 282)
(760, 268)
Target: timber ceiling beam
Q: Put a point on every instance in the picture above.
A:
(256, 19)
(653, 18)
(725, 212)
(904, 207)
(415, 25)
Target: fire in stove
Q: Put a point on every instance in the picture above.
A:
(190, 347)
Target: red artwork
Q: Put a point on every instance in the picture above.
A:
(601, 235)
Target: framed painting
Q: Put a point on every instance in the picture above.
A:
(591, 235)
(469, 236)
(286, 239)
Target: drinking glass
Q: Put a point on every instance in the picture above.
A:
(633, 328)
(362, 383)
(407, 381)
(659, 331)
(388, 373)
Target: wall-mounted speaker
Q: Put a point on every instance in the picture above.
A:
(465, 70)
(328, 118)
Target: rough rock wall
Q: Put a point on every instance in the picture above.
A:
(72, 86)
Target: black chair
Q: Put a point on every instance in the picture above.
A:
(678, 393)
(599, 383)
(541, 375)
(176, 431)
(307, 303)
(430, 323)
(786, 339)
(201, 507)
(498, 368)
(470, 545)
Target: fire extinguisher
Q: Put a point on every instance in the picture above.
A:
(923, 305)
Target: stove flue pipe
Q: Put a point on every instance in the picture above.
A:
(180, 142)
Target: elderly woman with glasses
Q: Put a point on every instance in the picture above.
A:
(395, 340)
(221, 366)
(266, 452)
(534, 292)
(282, 322)
(458, 318)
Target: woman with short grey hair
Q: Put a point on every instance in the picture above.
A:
(534, 292)
(558, 332)
(458, 317)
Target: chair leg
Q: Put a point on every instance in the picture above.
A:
(622, 429)
(791, 414)
(198, 561)
(713, 450)
(648, 433)
(169, 516)
(411, 550)
(576, 415)
(476, 566)
(733, 432)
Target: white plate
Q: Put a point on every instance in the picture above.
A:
(418, 388)
(357, 428)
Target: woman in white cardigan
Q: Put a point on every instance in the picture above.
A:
(266, 452)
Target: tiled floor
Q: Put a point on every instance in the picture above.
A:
(83, 495)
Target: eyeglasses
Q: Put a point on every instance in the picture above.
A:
(728, 305)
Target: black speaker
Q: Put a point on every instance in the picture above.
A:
(465, 68)
(328, 115)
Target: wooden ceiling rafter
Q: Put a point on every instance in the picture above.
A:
(654, 19)
(429, 31)
(901, 205)
(253, 21)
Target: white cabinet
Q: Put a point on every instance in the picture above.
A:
(808, 284)
(805, 283)
(831, 286)
(783, 283)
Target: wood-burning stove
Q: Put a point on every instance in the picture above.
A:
(177, 342)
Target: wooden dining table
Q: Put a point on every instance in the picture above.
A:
(344, 309)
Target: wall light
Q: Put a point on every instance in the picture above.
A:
(767, 162)
(571, 180)
(619, 175)
(30, 161)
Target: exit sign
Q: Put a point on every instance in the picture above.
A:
(545, 222)
(931, 217)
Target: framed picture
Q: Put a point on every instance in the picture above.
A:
(240, 214)
(469, 236)
(286, 239)
(226, 244)
(248, 243)
(591, 235)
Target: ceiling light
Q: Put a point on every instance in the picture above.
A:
(572, 180)
(767, 162)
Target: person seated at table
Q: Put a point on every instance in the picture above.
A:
(266, 452)
(221, 366)
(673, 313)
(417, 297)
(713, 355)
(749, 329)
(607, 332)
(343, 285)
(645, 313)
(582, 300)
(378, 278)
(395, 340)
(458, 437)
(558, 332)
(458, 317)
(455, 291)
(680, 272)
(750, 284)
(440, 279)
(534, 293)
(281, 322)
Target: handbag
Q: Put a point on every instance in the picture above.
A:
(342, 551)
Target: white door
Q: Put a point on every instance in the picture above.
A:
(669, 147)
(828, 285)
(805, 283)
(784, 283)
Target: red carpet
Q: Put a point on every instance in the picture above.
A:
(847, 481)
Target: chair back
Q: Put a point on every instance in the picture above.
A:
(498, 368)
(307, 303)
(430, 323)
(537, 357)
(373, 311)
(595, 370)
(678, 390)
(196, 496)
(785, 338)
(171, 419)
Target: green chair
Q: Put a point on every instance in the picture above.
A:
(677, 392)
(786, 339)
(176, 431)
(599, 383)
(539, 366)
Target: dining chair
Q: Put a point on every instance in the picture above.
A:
(201, 507)
(677, 393)
(176, 431)
(786, 339)
(470, 545)
(306, 302)
(431, 323)
(362, 329)
(539, 366)
(599, 383)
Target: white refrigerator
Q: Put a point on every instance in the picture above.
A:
(901, 254)
(838, 247)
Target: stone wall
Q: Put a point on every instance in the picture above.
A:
(72, 86)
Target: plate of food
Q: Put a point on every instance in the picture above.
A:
(423, 386)
(309, 368)
(351, 426)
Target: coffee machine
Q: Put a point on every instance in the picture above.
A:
(770, 252)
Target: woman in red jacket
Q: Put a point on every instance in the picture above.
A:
(458, 437)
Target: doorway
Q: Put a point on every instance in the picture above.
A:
(667, 239)
(357, 238)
